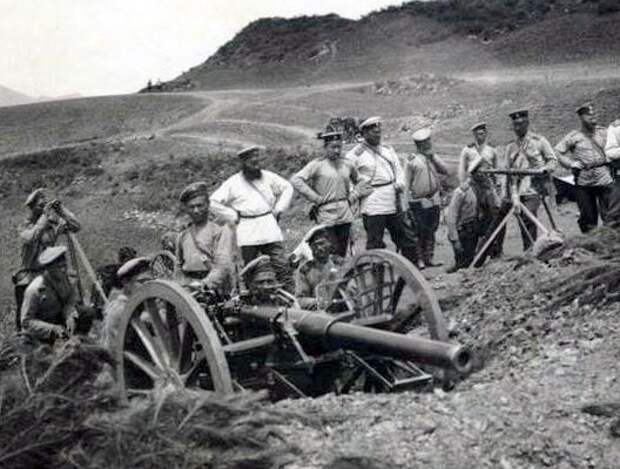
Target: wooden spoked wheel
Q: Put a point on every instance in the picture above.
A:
(382, 288)
(383, 283)
(166, 339)
(162, 265)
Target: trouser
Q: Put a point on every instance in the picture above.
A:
(426, 221)
(612, 217)
(275, 251)
(340, 236)
(526, 226)
(19, 299)
(400, 230)
(468, 239)
(592, 201)
(487, 222)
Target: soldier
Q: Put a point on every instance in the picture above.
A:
(612, 150)
(587, 148)
(379, 166)
(463, 219)
(203, 249)
(612, 145)
(49, 309)
(260, 279)
(485, 186)
(527, 151)
(130, 275)
(322, 268)
(422, 175)
(329, 184)
(47, 221)
(257, 198)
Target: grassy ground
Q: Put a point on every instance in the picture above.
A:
(160, 143)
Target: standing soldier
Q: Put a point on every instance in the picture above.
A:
(587, 160)
(329, 184)
(257, 198)
(203, 249)
(484, 185)
(47, 221)
(422, 174)
(527, 151)
(462, 218)
(379, 166)
(612, 150)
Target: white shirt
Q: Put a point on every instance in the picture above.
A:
(379, 173)
(256, 203)
(612, 146)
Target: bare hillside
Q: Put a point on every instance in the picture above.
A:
(440, 36)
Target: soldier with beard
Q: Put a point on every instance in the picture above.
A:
(49, 310)
(383, 208)
(254, 199)
(47, 221)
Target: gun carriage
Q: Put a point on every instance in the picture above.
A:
(380, 329)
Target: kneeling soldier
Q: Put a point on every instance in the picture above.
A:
(49, 309)
(462, 220)
(130, 275)
(322, 268)
(260, 280)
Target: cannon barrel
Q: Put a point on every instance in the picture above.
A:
(355, 337)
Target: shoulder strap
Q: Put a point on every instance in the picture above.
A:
(600, 150)
(253, 186)
(390, 164)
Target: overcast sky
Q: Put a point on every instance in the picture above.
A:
(92, 47)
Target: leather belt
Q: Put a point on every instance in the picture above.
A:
(243, 215)
(382, 184)
(332, 201)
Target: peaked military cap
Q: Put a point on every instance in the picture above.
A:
(422, 134)
(370, 122)
(519, 112)
(479, 125)
(193, 190)
(133, 267)
(258, 269)
(34, 196)
(330, 136)
(585, 108)
(316, 232)
(247, 151)
(51, 254)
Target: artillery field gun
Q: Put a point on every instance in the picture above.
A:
(171, 336)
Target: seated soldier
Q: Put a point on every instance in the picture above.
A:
(260, 280)
(108, 280)
(321, 269)
(49, 309)
(204, 249)
(130, 275)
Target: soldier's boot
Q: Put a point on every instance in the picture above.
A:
(429, 251)
(420, 253)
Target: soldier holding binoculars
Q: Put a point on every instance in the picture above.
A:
(46, 222)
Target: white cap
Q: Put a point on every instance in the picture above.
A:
(51, 254)
(131, 266)
(422, 134)
(370, 121)
(34, 196)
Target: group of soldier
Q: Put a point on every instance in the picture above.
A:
(399, 194)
